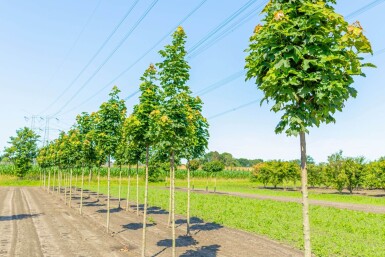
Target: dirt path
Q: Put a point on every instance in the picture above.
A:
(340, 205)
(33, 223)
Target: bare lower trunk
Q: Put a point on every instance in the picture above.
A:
(173, 205)
(137, 188)
(65, 188)
(128, 187)
(120, 184)
(305, 200)
(76, 183)
(41, 179)
(188, 199)
(81, 193)
(108, 192)
(89, 182)
(145, 207)
(170, 201)
(44, 180)
(53, 181)
(215, 183)
(59, 182)
(49, 181)
(70, 188)
(97, 195)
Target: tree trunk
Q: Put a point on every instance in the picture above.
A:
(97, 195)
(53, 181)
(137, 188)
(108, 192)
(41, 179)
(49, 181)
(128, 187)
(44, 180)
(59, 182)
(173, 205)
(76, 183)
(305, 200)
(120, 183)
(188, 199)
(89, 182)
(70, 188)
(65, 188)
(215, 183)
(145, 206)
(170, 201)
(81, 192)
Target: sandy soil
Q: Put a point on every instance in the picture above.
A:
(35, 223)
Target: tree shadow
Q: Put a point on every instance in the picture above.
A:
(204, 251)
(112, 210)
(205, 227)
(93, 204)
(136, 226)
(19, 217)
(181, 241)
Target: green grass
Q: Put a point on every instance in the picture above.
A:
(335, 232)
(6, 180)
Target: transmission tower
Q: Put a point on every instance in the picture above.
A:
(47, 129)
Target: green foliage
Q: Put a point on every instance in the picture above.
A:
(375, 174)
(22, 150)
(276, 172)
(304, 58)
(108, 124)
(194, 164)
(213, 166)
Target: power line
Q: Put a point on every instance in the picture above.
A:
(363, 9)
(110, 55)
(233, 109)
(72, 47)
(220, 83)
(141, 57)
(95, 55)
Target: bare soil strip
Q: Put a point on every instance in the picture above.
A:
(339, 205)
(35, 223)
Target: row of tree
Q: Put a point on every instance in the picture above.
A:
(165, 126)
(228, 160)
(339, 172)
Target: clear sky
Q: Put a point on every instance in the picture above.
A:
(45, 45)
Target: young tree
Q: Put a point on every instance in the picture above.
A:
(142, 135)
(174, 122)
(22, 150)
(303, 58)
(212, 168)
(108, 127)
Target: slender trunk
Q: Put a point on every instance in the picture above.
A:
(41, 179)
(128, 186)
(188, 199)
(49, 181)
(215, 183)
(170, 201)
(145, 206)
(305, 200)
(81, 192)
(97, 195)
(89, 183)
(44, 180)
(173, 205)
(137, 188)
(108, 192)
(65, 188)
(59, 182)
(207, 182)
(53, 181)
(76, 183)
(70, 188)
(120, 183)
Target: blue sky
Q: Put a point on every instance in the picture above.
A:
(44, 45)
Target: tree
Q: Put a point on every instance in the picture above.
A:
(213, 167)
(174, 121)
(108, 126)
(141, 131)
(304, 58)
(22, 150)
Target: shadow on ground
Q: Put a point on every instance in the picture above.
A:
(18, 217)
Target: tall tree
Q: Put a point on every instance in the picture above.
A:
(304, 58)
(22, 150)
(140, 130)
(108, 127)
(174, 121)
